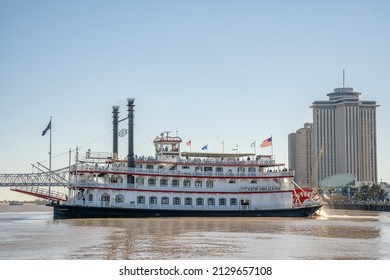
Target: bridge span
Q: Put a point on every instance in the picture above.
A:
(37, 184)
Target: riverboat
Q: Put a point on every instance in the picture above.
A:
(182, 184)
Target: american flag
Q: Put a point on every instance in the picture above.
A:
(266, 143)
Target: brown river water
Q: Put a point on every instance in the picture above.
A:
(28, 232)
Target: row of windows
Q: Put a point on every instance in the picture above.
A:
(188, 201)
(152, 182)
(201, 168)
(175, 182)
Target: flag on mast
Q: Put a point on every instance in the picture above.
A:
(204, 147)
(46, 129)
(266, 143)
(189, 143)
(235, 148)
(43, 134)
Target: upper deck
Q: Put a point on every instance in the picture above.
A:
(221, 160)
(170, 162)
(189, 168)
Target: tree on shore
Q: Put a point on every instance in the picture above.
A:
(370, 192)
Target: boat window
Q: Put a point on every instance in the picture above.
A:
(105, 197)
(262, 169)
(151, 182)
(163, 182)
(105, 200)
(188, 201)
(253, 181)
(198, 183)
(116, 179)
(165, 200)
(244, 202)
(175, 182)
(232, 181)
(241, 169)
(210, 183)
(149, 166)
(251, 170)
(211, 201)
(119, 198)
(208, 169)
(176, 201)
(140, 181)
(153, 200)
(138, 166)
(140, 199)
(187, 183)
(222, 201)
(199, 201)
(90, 197)
(185, 167)
(198, 169)
(219, 169)
(233, 201)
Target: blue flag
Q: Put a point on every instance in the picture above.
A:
(204, 147)
(46, 129)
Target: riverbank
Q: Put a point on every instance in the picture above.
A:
(384, 207)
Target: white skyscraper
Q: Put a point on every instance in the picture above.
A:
(344, 136)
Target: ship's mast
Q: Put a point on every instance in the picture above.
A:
(130, 155)
(115, 115)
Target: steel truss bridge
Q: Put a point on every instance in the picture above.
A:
(37, 184)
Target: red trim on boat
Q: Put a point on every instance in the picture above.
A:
(180, 175)
(182, 192)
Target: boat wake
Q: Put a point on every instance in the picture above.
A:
(332, 214)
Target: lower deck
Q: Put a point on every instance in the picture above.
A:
(170, 200)
(73, 212)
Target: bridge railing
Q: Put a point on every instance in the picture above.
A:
(58, 178)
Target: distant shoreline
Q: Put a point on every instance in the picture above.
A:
(360, 206)
(19, 202)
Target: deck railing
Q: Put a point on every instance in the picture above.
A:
(176, 173)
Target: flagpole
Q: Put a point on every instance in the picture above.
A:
(272, 148)
(50, 162)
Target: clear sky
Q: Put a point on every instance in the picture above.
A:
(232, 71)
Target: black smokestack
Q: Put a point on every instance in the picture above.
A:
(130, 156)
(115, 114)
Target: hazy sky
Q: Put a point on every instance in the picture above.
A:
(232, 71)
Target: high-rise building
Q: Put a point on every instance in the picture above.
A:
(344, 136)
(292, 151)
(300, 154)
